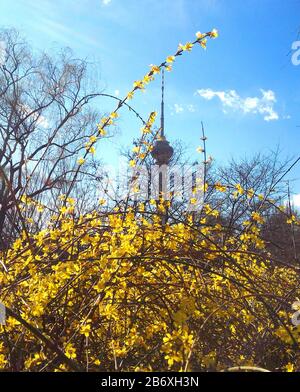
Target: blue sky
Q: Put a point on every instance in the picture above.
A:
(244, 87)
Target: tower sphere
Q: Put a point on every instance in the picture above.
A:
(162, 151)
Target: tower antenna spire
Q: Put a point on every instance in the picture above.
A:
(162, 117)
(162, 151)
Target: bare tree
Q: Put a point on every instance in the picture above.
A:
(257, 176)
(45, 119)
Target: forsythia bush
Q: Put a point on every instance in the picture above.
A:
(118, 290)
(121, 291)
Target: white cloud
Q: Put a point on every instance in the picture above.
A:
(39, 118)
(117, 93)
(296, 200)
(191, 108)
(180, 108)
(105, 2)
(263, 105)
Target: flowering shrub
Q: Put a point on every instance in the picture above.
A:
(119, 290)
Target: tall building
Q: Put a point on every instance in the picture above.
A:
(162, 151)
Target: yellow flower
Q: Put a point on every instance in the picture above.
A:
(3, 361)
(145, 129)
(246, 223)
(199, 35)
(24, 199)
(214, 33)
(80, 161)
(203, 43)
(289, 367)
(93, 139)
(257, 218)
(147, 79)
(170, 59)
(114, 115)
(132, 163)
(138, 84)
(219, 187)
(189, 46)
(130, 95)
(155, 68)
(239, 189)
(101, 130)
(85, 330)
(65, 210)
(70, 351)
(71, 201)
(291, 220)
(199, 149)
(250, 193)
